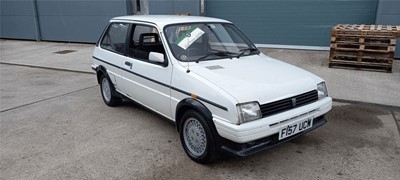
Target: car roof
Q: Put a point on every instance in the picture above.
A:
(163, 20)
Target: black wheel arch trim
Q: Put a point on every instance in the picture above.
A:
(103, 70)
(202, 109)
(198, 106)
(163, 84)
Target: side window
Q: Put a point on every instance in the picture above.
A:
(145, 39)
(114, 39)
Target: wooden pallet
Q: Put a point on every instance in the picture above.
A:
(361, 54)
(366, 30)
(379, 48)
(360, 39)
(363, 43)
(361, 66)
(363, 47)
(362, 59)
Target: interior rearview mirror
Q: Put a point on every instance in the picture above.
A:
(156, 57)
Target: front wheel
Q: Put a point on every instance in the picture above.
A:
(196, 138)
(108, 92)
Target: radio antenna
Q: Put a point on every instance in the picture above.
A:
(188, 52)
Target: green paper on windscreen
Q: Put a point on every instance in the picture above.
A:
(189, 37)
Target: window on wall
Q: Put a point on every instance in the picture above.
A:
(115, 38)
(145, 39)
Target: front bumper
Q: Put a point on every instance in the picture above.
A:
(245, 149)
(265, 127)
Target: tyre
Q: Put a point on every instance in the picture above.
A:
(108, 92)
(196, 138)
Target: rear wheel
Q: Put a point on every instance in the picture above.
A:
(196, 138)
(108, 92)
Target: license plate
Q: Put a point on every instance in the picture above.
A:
(292, 129)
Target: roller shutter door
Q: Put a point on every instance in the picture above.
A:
(61, 20)
(389, 13)
(76, 21)
(18, 20)
(292, 22)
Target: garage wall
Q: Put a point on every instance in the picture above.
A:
(58, 20)
(77, 21)
(289, 22)
(389, 13)
(292, 22)
(174, 7)
(18, 19)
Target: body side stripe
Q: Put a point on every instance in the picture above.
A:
(166, 85)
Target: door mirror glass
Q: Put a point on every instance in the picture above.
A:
(156, 57)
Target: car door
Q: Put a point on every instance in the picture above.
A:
(146, 82)
(111, 51)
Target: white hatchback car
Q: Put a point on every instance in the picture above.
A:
(202, 73)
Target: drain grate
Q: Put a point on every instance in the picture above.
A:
(64, 51)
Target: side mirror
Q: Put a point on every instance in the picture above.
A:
(156, 57)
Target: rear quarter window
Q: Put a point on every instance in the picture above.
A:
(115, 38)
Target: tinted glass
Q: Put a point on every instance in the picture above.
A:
(145, 39)
(207, 41)
(115, 38)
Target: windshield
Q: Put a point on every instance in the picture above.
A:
(207, 41)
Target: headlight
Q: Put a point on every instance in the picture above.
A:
(248, 112)
(322, 90)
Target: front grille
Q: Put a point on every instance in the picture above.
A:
(289, 103)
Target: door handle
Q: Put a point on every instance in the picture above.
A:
(128, 64)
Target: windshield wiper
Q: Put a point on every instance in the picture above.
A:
(219, 53)
(244, 50)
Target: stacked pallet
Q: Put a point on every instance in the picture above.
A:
(364, 47)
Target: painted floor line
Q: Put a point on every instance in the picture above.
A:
(13, 108)
(361, 102)
(48, 68)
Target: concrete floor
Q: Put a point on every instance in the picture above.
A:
(54, 125)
